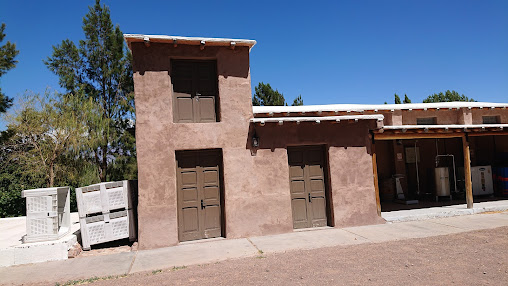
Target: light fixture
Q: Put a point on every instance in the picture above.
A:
(255, 140)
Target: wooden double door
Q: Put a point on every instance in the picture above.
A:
(307, 178)
(199, 194)
(195, 91)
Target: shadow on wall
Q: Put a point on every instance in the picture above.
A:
(272, 135)
(157, 57)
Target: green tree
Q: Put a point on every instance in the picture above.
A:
(47, 128)
(397, 99)
(406, 99)
(100, 68)
(298, 101)
(264, 95)
(8, 54)
(448, 96)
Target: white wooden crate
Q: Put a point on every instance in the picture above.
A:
(47, 214)
(106, 197)
(107, 227)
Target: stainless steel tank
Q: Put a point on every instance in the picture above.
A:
(442, 181)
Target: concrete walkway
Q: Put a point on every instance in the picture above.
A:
(14, 252)
(213, 250)
(444, 211)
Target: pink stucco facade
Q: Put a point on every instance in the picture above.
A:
(256, 189)
(256, 185)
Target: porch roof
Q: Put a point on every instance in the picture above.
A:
(288, 110)
(455, 126)
(281, 120)
(177, 40)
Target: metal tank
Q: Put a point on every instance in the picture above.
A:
(442, 181)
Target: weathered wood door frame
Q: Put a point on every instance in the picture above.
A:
(196, 169)
(192, 92)
(317, 203)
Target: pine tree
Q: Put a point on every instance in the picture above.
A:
(448, 96)
(406, 99)
(298, 101)
(264, 95)
(100, 68)
(397, 99)
(7, 54)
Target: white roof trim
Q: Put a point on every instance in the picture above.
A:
(375, 107)
(455, 126)
(188, 40)
(377, 117)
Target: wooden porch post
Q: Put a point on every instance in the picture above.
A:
(467, 171)
(376, 182)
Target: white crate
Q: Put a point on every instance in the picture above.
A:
(107, 227)
(106, 197)
(47, 214)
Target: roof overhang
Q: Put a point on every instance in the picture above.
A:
(197, 41)
(360, 108)
(439, 131)
(298, 120)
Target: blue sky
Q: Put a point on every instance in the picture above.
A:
(327, 51)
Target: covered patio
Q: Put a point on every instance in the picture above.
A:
(407, 159)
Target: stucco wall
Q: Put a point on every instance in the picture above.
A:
(157, 137)
(349, 165)
(256, 182)
(477, 115)
(444, 117)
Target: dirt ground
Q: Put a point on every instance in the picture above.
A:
(472, 258)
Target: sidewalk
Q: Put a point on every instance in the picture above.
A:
(213, 250)
(444, 211)
(14, 252)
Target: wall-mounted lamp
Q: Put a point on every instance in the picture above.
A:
(255, 140)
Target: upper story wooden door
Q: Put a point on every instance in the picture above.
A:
(195, 91)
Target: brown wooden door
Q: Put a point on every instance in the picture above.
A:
(194, 91)
(199, 194)
(307, 186)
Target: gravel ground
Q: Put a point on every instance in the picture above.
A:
(472, 258)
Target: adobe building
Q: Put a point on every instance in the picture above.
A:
(212, 165)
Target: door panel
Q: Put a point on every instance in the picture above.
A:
(211, 221)
(298, 187)
(199, 202)
(307, 186)
(206, 108)
(299, 207)
(189, 195)
(184, 108)
(318, 211)
(189, 229)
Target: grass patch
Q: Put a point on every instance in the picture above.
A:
(260, 251)
(89, 280)
(156, 271)
(175, 268)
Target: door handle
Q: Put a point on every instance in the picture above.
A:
(202, 205)
(310, 198)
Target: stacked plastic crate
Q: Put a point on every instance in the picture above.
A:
(107, 212)
(47, 214)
